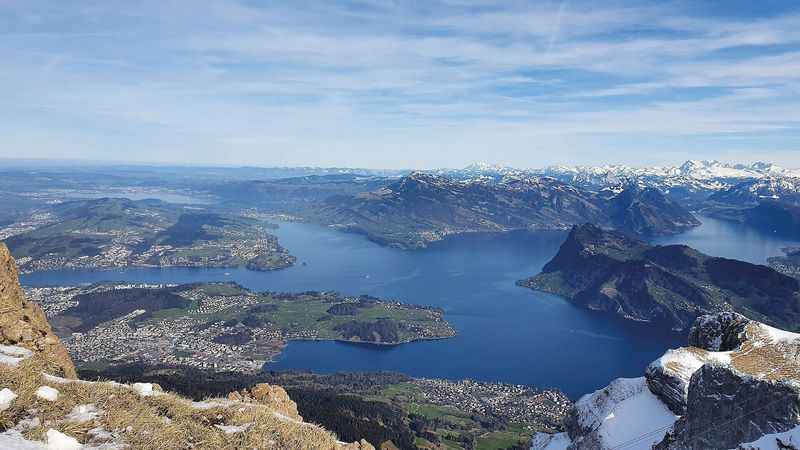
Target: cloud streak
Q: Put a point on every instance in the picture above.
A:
(443, 83)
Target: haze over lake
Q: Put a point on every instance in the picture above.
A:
(506, 333)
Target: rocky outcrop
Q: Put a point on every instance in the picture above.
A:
(726, 407)
(273, 396)
(24, 324)
(668, 377)
(738, 388)
(719, 333)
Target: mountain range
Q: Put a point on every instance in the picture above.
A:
(422, 208)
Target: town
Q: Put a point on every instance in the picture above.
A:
(536, 409)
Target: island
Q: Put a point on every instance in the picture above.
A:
(117, 232)
(670, 285)
(220, 326)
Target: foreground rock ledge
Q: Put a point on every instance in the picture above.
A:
(737, 386)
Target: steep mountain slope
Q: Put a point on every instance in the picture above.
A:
(667, 285)
(422, 208)
(735, 387)
(42, 406)
(647, 212)
(24, 324)
(775, 217)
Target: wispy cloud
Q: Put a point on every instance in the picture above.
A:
(396, 83)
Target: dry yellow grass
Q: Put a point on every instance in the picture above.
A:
(760, 356)
(162, 421)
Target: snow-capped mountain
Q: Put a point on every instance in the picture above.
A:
(693, 169)
(692, 181)
(755, 190)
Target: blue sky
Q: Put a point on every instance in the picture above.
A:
(403, 84)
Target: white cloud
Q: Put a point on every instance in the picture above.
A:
(436, 82)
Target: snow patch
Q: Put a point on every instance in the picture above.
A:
(723, 358)
(211, 404)
(544, 441)
(13, 350)
(778, 335)
(623, 412)
(775, 441)
(13, 440)
(57, 440)
(47, 393)
(11, 355)
(231, 429)
(82, 413)
(7, 397)
(144, 389)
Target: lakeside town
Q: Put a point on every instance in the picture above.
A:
(218, 326)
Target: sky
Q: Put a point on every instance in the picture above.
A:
(400, 84)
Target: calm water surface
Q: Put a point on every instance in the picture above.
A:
(505, 332)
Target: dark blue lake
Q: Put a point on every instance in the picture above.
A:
(506, 333)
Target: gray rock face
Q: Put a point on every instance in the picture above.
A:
(720, 332)
(726, 407)
(668, 387)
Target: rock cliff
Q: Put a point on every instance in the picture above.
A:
(23, 323)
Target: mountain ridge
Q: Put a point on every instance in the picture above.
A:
(670, 285)
(422, 208)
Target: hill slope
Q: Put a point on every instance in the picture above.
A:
(117, 232)
(669, 285)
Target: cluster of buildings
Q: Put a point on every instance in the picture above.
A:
(33, 222)
(537, 409)
(189, 340)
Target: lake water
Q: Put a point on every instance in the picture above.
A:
(505, 333)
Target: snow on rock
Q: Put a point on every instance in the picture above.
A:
(12, 355)
(7, 397)
(775, 441)
(13, 440)
(544, 441)
(211, 404)
(57, 440)
(619, 414)
(82, 413)
(668, 376)
(778, 335)
(47, 393)
(231, 429)
(144, 389)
